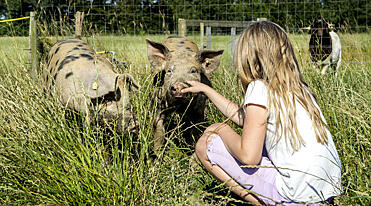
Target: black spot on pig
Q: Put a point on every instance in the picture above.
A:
(68, 74)
(65, 61)
(188, 48)
(56, 51)
(54, 78)
(89, 57)
(71, 58)
(48, 61)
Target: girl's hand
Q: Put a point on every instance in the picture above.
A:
(195, 87)
(228, 108)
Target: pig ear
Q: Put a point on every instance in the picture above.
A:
(98, 86)
(156, 53)
(210, 60)
(128, 81)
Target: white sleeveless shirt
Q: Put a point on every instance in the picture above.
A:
(311, 174)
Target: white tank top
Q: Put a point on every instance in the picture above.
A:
(311, 174)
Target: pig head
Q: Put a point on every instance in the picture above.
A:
(86, 82)
(174, 62)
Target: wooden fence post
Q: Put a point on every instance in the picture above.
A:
(202, 35)
(208, 36)
(79, 17)
(233, 40)
(182, 27)
(33, 58)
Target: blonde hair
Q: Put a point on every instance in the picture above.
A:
(265, 53)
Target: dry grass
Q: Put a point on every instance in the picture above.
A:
(48, 158)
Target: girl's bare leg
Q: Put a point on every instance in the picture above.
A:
(218, 172)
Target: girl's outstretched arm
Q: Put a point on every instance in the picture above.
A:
(227, 107)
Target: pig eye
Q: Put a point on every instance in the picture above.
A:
(169, 69)
(193, 70)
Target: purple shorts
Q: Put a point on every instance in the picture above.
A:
(260, 181)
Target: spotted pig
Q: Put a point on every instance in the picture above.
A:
(86, 82)
(174, 62)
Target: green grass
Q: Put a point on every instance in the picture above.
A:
(48, 158)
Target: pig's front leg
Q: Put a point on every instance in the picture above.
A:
(159, 133)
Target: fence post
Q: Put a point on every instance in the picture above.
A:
(208, 36)
(202, 35)
(182, 27)
(33, 58)
(233, 39)
(79, 17)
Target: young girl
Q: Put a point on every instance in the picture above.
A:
(285, 154)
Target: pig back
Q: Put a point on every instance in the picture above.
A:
(77, 73)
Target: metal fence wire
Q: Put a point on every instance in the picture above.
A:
(156, 17)
(160, 16)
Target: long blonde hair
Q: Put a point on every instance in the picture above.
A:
(265, 53)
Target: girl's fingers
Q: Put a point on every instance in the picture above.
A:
(195, 87)
(192, 83)
(185, 90)
(189, 89)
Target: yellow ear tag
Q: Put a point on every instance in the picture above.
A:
(95, 86)
(207, 62)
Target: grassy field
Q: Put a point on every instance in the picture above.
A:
(47, 158)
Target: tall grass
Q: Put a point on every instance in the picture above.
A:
(47, 157)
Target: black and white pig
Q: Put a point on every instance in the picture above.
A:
(324, 46)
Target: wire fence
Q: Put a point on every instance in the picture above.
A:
(138, 17)
(160, 16)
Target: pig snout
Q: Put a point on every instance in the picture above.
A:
(176, 90)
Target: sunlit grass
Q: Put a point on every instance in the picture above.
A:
(47, 157)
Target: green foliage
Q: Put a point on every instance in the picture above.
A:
(48, 157)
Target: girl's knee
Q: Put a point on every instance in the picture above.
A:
(204, 141)
(201, 146)
(218, 128)
(215, 128)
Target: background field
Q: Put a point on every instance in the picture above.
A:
(160, 16)
(48, 158)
